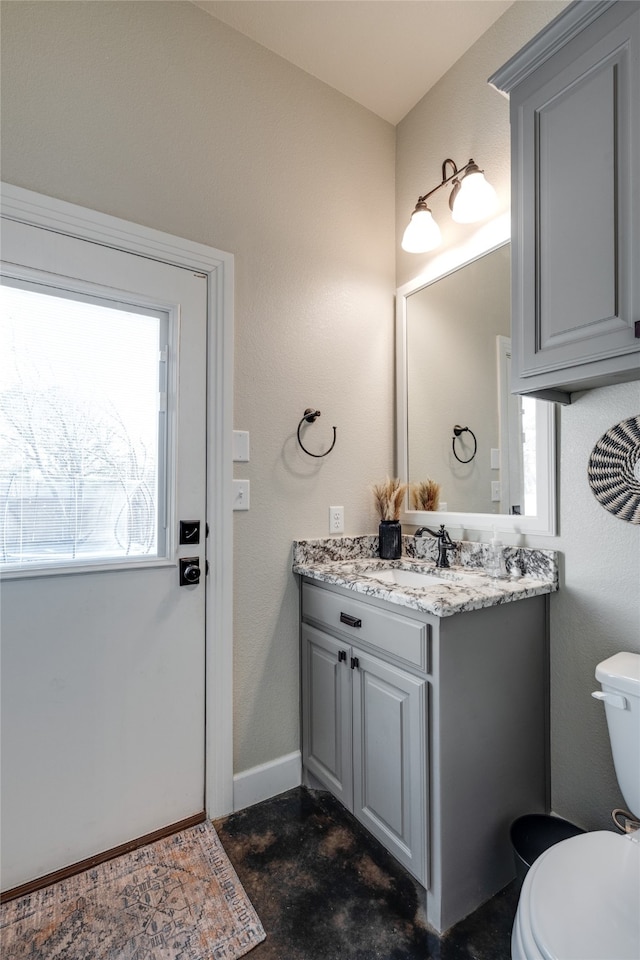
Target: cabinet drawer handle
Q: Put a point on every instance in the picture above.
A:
(349, 620)
(342, 656)
(355, 663)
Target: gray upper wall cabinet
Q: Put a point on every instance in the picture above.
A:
(575, 161)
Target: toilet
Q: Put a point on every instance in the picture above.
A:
(581, 898)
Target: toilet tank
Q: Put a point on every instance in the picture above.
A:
(619, 677)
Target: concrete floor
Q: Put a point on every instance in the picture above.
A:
(326, 890)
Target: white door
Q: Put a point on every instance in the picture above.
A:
(103, 695)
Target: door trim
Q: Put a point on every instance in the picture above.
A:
(59, 216)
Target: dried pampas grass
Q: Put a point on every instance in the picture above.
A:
(425, 495)
(388, 498)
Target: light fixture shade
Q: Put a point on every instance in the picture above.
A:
(472, 198)
(422, 233)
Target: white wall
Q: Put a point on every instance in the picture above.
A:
(596, 612)
(157, 113)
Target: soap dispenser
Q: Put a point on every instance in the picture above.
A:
(496, 566)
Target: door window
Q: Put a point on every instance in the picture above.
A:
(83, 428)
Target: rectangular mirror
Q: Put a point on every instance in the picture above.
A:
(492, 453)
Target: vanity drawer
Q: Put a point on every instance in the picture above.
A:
(399, 636)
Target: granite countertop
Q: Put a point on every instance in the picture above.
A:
(353, 562)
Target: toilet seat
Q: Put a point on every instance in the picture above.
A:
(579, 901)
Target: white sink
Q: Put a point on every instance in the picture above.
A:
(407, 578)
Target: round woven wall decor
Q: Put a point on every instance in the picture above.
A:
(614, 470)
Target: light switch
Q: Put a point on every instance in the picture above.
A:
(240, 494)
(240, 446)
(495, 458)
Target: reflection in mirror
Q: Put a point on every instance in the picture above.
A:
(489, 452)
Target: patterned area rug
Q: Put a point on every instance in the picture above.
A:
(176, 899)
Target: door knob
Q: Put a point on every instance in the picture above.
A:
(189, 570)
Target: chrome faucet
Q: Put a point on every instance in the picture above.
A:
(445, 543)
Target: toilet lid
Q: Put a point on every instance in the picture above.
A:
(584, 899)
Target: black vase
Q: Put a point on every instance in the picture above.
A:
(390, 539)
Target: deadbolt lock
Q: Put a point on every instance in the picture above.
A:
(189, 570)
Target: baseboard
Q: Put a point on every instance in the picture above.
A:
(267, 780)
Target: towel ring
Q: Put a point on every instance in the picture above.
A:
(457, 430)
(310, 416)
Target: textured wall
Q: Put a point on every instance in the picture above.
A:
(462, 117)
(157, 113)
(596, 612)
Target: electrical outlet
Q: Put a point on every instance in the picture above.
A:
(336, 519)
(496, 490)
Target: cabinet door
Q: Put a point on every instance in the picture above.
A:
(326, 712)
(390, 758)
(576, 166)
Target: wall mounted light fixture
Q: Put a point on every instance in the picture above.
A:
(472, 199)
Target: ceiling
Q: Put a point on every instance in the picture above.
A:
(384, 54)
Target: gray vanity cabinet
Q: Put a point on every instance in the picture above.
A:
(327, 750)
(364, 722)
(390, 757)
(575, 142)
(431, 730)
